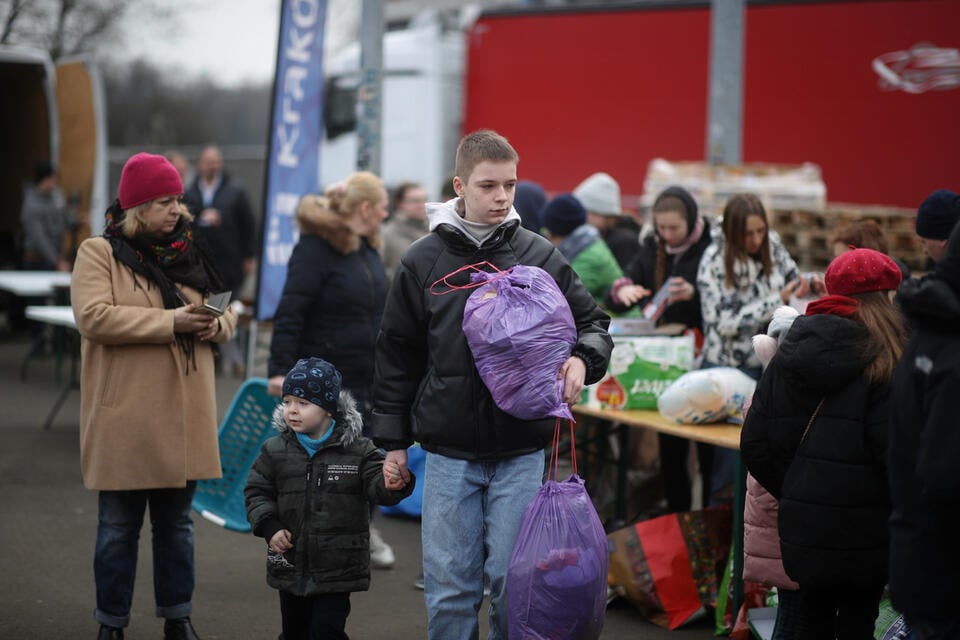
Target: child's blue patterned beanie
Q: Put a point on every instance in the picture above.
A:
(316, 381)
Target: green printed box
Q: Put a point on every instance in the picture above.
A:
(641, 367)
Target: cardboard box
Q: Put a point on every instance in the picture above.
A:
(643, 327)
(641, 367)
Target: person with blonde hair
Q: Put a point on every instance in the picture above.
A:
(816, 438)
(333, 297)
(148, 414)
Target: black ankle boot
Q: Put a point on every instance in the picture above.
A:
(179, 629)
(110, 633)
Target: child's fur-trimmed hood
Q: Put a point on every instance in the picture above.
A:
(349, 421)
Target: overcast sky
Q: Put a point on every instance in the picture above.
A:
(232, 41)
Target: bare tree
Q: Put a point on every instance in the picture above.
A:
(148, 107)
(67, 27)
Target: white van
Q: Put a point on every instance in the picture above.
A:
(421, 111)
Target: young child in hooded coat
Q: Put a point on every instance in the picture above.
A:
(309, 494)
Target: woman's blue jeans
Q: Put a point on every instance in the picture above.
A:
(115, 558)
(470, 521)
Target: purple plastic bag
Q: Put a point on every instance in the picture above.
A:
(557, 579)
(520, 330)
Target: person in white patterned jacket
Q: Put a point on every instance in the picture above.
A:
(745, 274)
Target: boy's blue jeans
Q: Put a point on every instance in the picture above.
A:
(115, 558)
(470, 520)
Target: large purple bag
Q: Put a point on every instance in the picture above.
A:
(557, 579)
(520, 330)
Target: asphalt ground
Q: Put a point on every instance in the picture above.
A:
(49, 526)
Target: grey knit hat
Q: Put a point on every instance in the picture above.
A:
(600, 194)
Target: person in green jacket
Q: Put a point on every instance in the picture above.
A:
(565, 220)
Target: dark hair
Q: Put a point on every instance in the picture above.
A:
(675, 199)
(735, 214)
(401, 192)
(42, 170)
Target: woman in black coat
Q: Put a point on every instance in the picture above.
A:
(332, 301)
(672, 256)
(816, 438)
(336, 286)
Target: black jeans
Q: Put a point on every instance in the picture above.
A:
(842, 611)
(322, 617)
(929, 629)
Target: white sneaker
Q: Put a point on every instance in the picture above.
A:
(381, 555)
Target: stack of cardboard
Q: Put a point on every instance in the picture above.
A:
(778, 186)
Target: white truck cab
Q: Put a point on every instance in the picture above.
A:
(421, 111)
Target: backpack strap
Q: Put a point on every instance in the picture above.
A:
(813, 417)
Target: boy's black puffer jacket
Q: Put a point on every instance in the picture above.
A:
(428, 387)
(328, 514)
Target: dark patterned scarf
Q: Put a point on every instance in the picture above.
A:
(165, 260)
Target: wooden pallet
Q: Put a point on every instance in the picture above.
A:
(808, 235)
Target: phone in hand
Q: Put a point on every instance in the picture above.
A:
(216, 304)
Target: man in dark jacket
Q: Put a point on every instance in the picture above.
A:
(226, 225)
(224, 219)
(924, 450)
(936, 217)
(483, 465)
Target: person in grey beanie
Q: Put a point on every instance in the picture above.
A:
(600, 196)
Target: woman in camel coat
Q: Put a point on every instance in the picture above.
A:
(148, 423)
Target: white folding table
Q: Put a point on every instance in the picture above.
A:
(60, 316)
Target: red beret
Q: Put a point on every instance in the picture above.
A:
(146, 177)
(861, 271)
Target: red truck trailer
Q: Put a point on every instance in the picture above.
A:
(868, 90)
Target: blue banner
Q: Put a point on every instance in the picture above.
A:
(293, 162)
